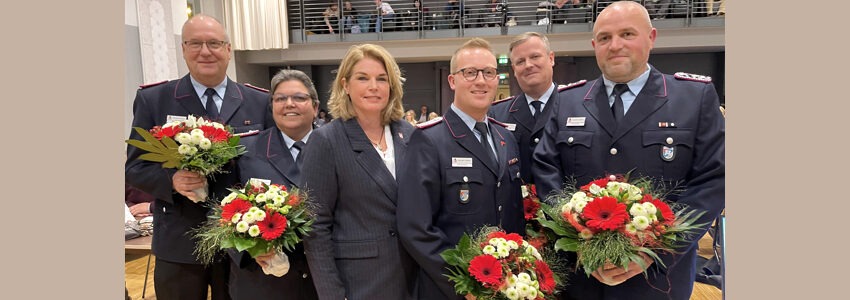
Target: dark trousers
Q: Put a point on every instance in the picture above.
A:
(177, 281)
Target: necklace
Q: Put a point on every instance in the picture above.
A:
(380, 140)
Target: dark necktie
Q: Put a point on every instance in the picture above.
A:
(617, 108)
(485, 141)
(536, 112)
(299, 159)
(212, 110)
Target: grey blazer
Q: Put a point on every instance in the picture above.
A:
(354, 251)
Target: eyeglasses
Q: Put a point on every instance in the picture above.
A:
(212, 45)
(470, 74)
(299, 98)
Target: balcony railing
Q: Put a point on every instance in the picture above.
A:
(316, 21)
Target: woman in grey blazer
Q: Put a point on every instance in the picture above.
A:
(349, 171)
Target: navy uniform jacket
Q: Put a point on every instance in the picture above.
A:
(268, 158)
(242, 108)
(673, 131)
(514, 111)
(432, 215)
(354, 250)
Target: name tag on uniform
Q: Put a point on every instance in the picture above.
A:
(258, 181)
(461, 162)
(575, 121)
(510, 126)
(172, 118)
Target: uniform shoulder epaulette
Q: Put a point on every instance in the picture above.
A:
(497, 122)
(564, 87)
(503, 100)
(429, 123)
(692, 77)
(247, 133)
(257, 88)
(152, 84)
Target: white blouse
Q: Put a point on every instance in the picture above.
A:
(387, 155)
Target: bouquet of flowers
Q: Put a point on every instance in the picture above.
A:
(612, 220)
(193, 144)
(496, 265)
(258, 218)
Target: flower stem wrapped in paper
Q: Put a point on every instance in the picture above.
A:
(496, 265)
(193, 144)
(259, 218)
(613, 219)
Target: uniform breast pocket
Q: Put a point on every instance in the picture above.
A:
(574, 146)
(465, 188)
(668, 153)
(246, 128)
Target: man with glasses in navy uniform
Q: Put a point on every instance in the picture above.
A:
(205, 92)
(461, 173)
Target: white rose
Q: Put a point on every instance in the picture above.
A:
(650, 208)
(242, 226)
(595, 189)
(634, 193)
(254, 230)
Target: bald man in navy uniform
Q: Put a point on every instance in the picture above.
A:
(667, 127)
(204, 92)
(461, 173)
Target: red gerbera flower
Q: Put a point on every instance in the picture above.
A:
(666, 213)
(601, 182)
(272, 226)
(530, 207)
(508, 236)
(235, 206)
(486, 269)
(605, 213)
(544, 276)
(160, 132)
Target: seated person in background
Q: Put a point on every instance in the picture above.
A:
(385, 13)
(497, 13)
(138, 201)
(571, 11)
(433, 115)
(658, 9)
(410, 117)
(331, 17)
(349, 17)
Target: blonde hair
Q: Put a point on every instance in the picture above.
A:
(522, 38)
(473, 43)
(340, 105)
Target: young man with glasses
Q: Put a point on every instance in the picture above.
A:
(205, 92)
(461, 172)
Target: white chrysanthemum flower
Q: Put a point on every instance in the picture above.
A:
(278, 200)
(630, 228)
(254, 230)
(511, 293)
(183, 138)
(260, 198)
(205, 144)
(653, 218)
(249, 217)
(236, 217)
(533, 251)
(273, 189)
(217, 125)
(260, 215)
(523, 278)
(615, 189)
(242, 226)
(585, 234)
(489, 250)
(641, 222)
(192, 150)
(253, 209)
(229, 198)
(524, 191)
(579, 196)
(650, 208)
(511, 279)
(513, 245)
(522, 288)
(637, 210)
(185, 149)
(496, 241)
(532, 294)
(535, 284)
(502, 252)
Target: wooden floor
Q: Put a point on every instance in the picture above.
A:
(134, 274)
